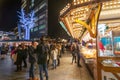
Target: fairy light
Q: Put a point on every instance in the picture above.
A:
(82, 1)
(27, 22)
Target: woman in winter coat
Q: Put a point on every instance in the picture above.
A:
(18, 62)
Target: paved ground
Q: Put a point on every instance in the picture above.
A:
(66, 71)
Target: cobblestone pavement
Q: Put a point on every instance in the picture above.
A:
(66, 71)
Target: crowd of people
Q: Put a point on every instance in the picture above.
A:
(42, 53)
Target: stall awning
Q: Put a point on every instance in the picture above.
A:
(81, 10)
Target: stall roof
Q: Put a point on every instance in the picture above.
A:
(80, 9)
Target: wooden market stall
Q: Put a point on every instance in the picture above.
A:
(86, 16)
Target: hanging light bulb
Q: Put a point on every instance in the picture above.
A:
(115, 6)
(111, 3)
(81, 1)
(118, 1)
(107, 3)
(74, 0)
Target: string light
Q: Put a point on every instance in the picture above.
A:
(81, 13)
(27, 22)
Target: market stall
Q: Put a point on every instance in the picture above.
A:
(83, 17)
(109, 57)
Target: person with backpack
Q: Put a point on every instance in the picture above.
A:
(78, 53)
(73, 50)
(41, 51)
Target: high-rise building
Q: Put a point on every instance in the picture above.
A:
(40, 7)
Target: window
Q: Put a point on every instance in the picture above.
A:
(41, 27)
(41, 6)
(32, 30)
(32, 3)
(40, 17)
(35, 29)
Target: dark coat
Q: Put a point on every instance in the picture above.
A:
(41, 54)
(31, 53)
(25, 53)
(19, 53)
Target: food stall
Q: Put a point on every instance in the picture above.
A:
(88, 52)
(83, 17)
(76, 18)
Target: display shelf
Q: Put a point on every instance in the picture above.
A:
(106, 53)
(89, 63)
(110, 64)
(88, 59)
(111, 69)
(100, 59)
(108, 57)
(88, 53)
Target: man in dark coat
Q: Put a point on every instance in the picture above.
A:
(42, 59)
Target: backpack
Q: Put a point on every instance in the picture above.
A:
(73, 48)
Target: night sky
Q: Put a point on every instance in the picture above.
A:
(8, 14)
(54, 7)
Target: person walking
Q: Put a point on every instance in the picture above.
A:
(42, 59)
(3, 51)
(73, 50)
(78, 53)
(54, 54)
(47, 45)
(32, 60)
(18, 62)
(59, 53)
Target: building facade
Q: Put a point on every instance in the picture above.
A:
(40, 7)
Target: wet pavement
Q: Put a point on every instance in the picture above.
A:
(66, 70)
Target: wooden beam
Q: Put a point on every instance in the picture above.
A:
(116, 75)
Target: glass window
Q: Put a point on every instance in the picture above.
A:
(35, 29)
(31, 30)
(41, 27)
(41, 6)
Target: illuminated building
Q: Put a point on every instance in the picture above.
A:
(40, 9)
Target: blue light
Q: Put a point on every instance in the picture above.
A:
(26, 22)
